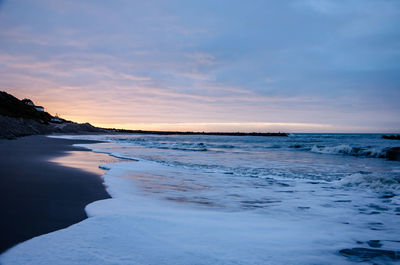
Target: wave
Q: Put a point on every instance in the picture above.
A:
(345, 149)
(177, 145)
(183, 146)
(387, 184)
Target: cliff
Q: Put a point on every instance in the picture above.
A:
(19, 119)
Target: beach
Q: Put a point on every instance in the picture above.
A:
(38, 196)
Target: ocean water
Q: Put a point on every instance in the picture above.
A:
(198, 199)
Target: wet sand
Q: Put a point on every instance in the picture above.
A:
(42, 189)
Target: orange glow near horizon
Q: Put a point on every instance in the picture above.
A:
(81, 109)
(217, 127)
(161, 66)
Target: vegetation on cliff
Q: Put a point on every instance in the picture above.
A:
(20, 119)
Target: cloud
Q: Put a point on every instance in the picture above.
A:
(185, 62)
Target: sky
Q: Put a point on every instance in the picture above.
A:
(209, 65)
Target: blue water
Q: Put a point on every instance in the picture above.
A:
(340, 185)
(345, 161)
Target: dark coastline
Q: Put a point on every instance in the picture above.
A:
(124, 131)
(38, 196)
(19, 118)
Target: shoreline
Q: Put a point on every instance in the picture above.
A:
(132, 228)
(39, 193)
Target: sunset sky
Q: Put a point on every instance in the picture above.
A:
(209, 65)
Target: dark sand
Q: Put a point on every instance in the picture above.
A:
(38, 196)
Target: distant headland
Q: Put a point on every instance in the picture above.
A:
(23, 117)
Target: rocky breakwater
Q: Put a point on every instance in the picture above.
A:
(394, 152)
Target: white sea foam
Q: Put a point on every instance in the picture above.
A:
(130, 229)
(381, 183)
(345, 149)
(249, 204)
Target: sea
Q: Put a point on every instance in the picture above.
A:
(204, 199)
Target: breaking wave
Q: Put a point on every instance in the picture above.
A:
(382, 183)
(345, 149)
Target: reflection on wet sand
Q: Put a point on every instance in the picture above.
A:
(85, 160)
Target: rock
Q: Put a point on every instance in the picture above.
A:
(15, 127)
(11, 127)
(366, 254)
(391, 137)
(393, 154)
(374, 243)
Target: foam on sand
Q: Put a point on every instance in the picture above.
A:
(129, 229)
(242, 205)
